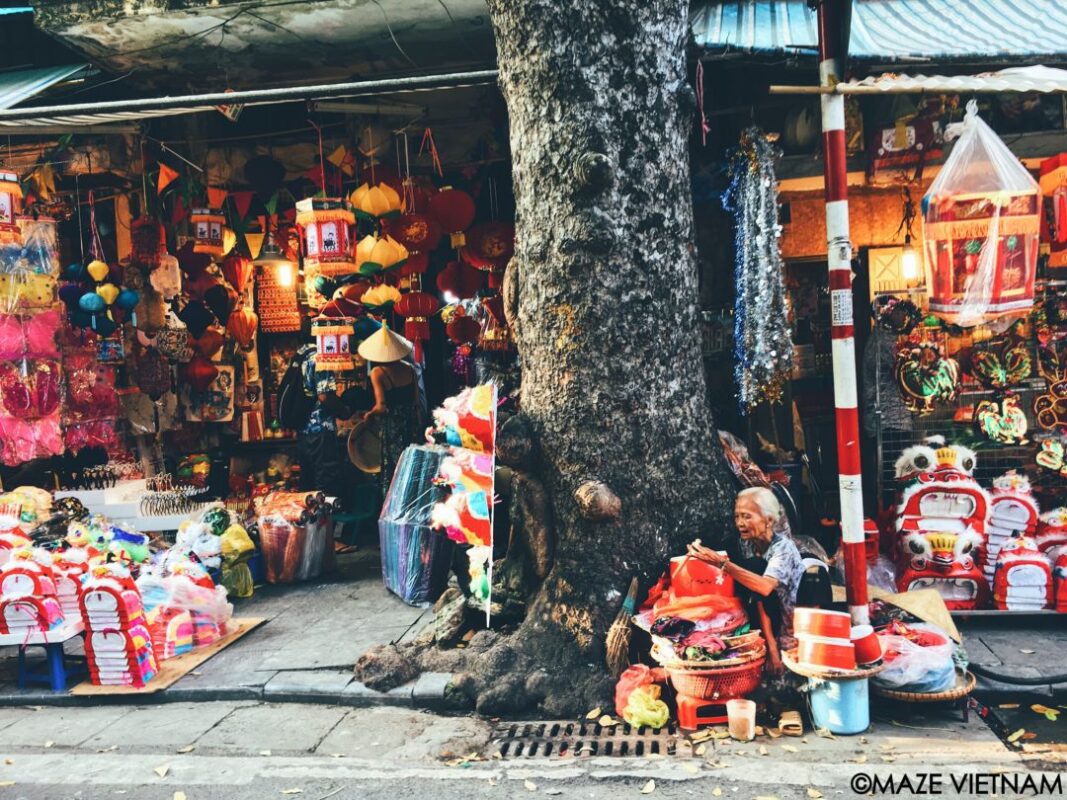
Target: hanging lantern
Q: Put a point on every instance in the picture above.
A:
(380, 299)
(237, 270)
(147, 241)
(375, 202)
(414, 231)
(242, 326)
(325, 225)
(10, 208)
(496, 335)
(207, 231)
(454, 211)
(489, 247)
(462, 329)
(417, 308)
(460, 280)
(333, 343)
(279, 311)
(199, 373)
(374, 255)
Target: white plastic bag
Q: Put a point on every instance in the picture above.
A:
(913, 667)
(982, 219)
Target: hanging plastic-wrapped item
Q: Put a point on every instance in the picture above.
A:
(982, 223)
(40, 249)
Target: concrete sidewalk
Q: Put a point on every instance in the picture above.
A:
(1033, 648)
(314, 634)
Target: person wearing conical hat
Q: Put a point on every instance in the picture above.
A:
(395, 385)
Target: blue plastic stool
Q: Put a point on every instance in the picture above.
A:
(55, 671)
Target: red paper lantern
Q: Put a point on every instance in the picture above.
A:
(210, 343)
(490, 246)
(237, 270)
(453, 209)
(199, 373)
(414, 231)
(417, 264)
(416, 308)
(463, 329)
(460, 280)
(242, 326)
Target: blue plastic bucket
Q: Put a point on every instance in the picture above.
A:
(840, 706)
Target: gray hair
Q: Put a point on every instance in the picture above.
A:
(768, 505)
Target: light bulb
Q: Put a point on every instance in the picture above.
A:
(909, 261)
(285, 274)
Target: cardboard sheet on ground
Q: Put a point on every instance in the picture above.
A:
(926, 604)
(173, 669)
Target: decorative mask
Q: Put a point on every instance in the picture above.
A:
(1023, 577)
(945, 562)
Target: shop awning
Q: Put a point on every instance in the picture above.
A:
(925, 30)
(16, 87)
(1014, 79)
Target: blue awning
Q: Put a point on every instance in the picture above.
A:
(890, 29)
(16, 87)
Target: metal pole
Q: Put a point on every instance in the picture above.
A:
(839, 260)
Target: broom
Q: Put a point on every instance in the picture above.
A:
(618, 642)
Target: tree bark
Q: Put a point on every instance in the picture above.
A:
(613, 381)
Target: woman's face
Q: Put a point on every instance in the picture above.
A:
(750, 522)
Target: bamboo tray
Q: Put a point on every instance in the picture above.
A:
(965, 683)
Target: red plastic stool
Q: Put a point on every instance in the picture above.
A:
(693, 712)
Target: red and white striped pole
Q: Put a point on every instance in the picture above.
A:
(839, 258)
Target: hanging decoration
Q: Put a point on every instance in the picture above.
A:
(1001, 362)
(325, 224)
(333, 351)
(489, 247)
(454, 211)
(417, 307)
(208, 235)
(1001, 420)
(242, 326)
(374, 255)
(460, 280)
(926, 377)
(982, 223)
(10, 208)
(375, 202)
(380, 299)
(762, 343)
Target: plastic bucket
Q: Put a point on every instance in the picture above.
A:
(840, 706)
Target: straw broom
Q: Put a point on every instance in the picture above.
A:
(618, 642)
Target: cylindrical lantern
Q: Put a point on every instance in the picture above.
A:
(207, 231)
(10, 208)
(325, 223)
(417, 307)
(332, 343)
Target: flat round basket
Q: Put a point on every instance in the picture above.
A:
(789, 658)
(965, 683)
(753, 651)
(365, 446)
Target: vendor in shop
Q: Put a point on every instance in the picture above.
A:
(318, 448)
(766, 568)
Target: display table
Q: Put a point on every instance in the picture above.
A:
(56, 673)
(122, 504)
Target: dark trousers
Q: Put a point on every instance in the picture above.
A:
(771, 604)
(321, 468)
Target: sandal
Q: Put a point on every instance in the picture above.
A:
(790, 724)
(342, 549)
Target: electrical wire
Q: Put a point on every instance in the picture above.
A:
(392, 35)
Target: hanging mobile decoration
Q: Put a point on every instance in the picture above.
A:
(926, 377)
(762, 343)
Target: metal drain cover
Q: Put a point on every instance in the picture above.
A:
(566, 739)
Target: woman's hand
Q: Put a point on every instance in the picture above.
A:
(702, 553)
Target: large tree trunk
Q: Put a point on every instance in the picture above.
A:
(613, 381)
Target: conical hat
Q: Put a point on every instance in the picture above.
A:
(365, 446)
(383, 346)
(926, 604)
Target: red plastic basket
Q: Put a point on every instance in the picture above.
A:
(724, 683)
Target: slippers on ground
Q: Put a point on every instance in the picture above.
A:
(342, 549)
(790, 724)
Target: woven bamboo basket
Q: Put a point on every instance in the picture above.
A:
(965, 683)
(756, 650)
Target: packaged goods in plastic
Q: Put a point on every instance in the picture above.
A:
(282, 543)
(415, 559)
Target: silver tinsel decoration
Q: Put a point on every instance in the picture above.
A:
(763, 346)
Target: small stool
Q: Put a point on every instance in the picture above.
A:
(55, 671)
(693, 712)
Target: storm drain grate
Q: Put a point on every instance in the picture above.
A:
(580, 739)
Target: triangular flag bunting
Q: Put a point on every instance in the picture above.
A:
(263, 223)
(179, 213)
(167, 176)
(242, 202)
(272, 204)
(343, 160)
(216, 197)
(255, 244)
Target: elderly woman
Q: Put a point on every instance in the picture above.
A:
(768, 571)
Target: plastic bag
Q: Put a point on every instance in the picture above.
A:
(645, 709)
(918, 662)
(982, 222)
(282, 543)
(635, 677)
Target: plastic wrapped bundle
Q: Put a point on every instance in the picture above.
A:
(282, 543)
(415, 558)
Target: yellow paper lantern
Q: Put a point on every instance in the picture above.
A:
(108, 292)
(374, 255)
(97, 270)
(229, 240)
(375, 202)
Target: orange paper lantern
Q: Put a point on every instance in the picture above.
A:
(242, 326)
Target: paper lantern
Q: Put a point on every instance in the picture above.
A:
(208, 227)
(221, 302)
(333, 343)
(325, 224)
(381, 298)
(92, 303)
(414, 231)
(10, 208)
(148, 241)
(242, 326)
(192, 262)
(417, 264)
(374, 255)
(489, 247)
(199, 373)
(210, 342)
(127, 299)
(237, 270)
(98, 270)
(460, 280)
(109, 292)
(375, 202)
(453, 209)
(417, 308)
(462, 329)
(196, 317)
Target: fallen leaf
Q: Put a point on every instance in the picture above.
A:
(1029, 735)
(594, 713)
(774, 733)
(264, 752)
(1017, 735)
(1040, 709)
(717, 792)
(194, 672)
(804, 740)
(824, 733)
(492, 782)
(553, 791)
(162, 771)
(720, 733)
(888, 759)
(49, 743)
(292, 791)
(701, 750)
(337, 755)
(759, 730)
(762, 750)
(187, 749)
(607, 721)
(859, 760)
(1008, 705)
(1027, 652)
(814, 794)
(1052, 716)
(649, 787)
(179, 796)
(863, 740)
(8, 761)
(789, 748)
(530, 785)
(715, 764)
